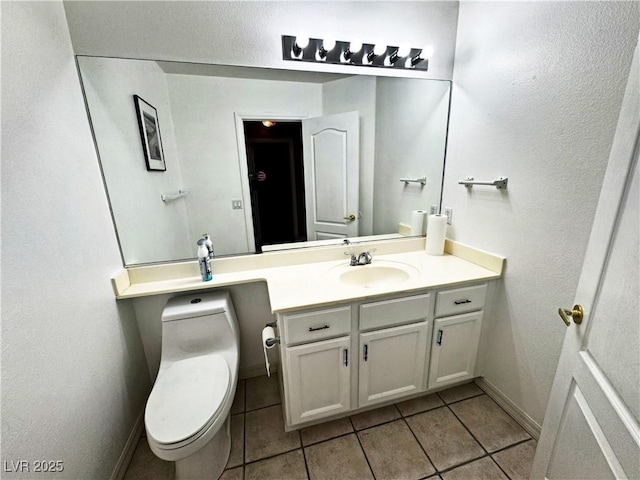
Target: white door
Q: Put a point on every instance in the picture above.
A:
(392, 362)
(318, 379)
(591, 428)
(454, 348)
(331, 151)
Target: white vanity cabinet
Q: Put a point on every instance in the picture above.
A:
(341, 359)
(316, 367)
(392, 360)
(456, 335)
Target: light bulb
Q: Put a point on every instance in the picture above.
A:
(329, 44)
(302, 40)
(355, 46)
(404, 50)
(379, 49)
(427, 52)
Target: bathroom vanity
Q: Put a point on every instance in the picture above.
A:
(351, 337)
(354, 355)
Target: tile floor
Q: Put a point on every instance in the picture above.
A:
(459, 433)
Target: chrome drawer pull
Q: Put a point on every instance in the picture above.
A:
(324, 327)
(460, 302)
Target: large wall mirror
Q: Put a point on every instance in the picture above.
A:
(261, 159)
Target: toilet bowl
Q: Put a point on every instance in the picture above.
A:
(187, 413)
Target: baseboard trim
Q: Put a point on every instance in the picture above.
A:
(525, 421)
(129, 449)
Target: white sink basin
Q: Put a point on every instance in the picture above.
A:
(380, 273)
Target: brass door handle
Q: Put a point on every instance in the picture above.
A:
(576, 314)
(351, 217)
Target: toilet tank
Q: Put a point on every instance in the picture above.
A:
(198, 324)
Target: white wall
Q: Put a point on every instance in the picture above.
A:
(150, 230)
(204, 111)
(249, 33)
(73, 369)
(411, 132)
(358, 93)
(537, 90)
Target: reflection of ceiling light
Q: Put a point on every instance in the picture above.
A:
(268, 123)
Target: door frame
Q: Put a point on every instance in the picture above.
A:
(240, 117)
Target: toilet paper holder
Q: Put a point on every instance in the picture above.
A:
(272, 341)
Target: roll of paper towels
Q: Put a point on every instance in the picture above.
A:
(417, 222)
(436, 231)
(268, 333)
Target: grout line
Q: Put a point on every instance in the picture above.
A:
(263, 407)
(462, 464)
(366, 459)
(467, 429)
(421, 447)
(498, 465)
(271, 456)
(304, 457)
(465, 399)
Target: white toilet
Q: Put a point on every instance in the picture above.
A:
(187, 414)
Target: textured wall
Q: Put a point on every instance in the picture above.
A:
(150, 230)
(249, 33)
(73, 370)
(537, 91)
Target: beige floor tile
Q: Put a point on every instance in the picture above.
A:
(265, 435)
(288, 466)
(236, 457)
(393, 452)
(232, 474)
(493, 428)
(444, 438)
(325, 431)
(420, 404)
(262, 392)
(340, 458)
(146, 466)
(461, 392)
(238, 401)
(517, 461)
(483, 469)
(375, 417)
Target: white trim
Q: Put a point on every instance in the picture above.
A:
(129, 448)
(519, 415)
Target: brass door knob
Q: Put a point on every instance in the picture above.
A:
(577, 314)
(351, 217)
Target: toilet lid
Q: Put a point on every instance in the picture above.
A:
(185, 397)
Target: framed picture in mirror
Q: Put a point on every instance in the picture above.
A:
(150, 134)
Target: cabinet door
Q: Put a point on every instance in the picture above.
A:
(454, 348)
(392, 362)
(318, 379)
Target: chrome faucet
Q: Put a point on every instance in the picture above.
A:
(365, 258)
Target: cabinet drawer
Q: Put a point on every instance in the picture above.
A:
(312, 326)
(460, 300)
(394, 312)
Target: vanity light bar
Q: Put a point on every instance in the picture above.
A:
(318, 50)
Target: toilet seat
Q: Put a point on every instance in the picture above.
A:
(185, 400)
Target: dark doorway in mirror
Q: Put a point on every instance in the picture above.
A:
(276, 180)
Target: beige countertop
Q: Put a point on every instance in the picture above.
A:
(309, 278)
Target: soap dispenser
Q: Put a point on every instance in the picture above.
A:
(203, 261)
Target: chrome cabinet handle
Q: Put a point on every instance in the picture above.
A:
(315, 329)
